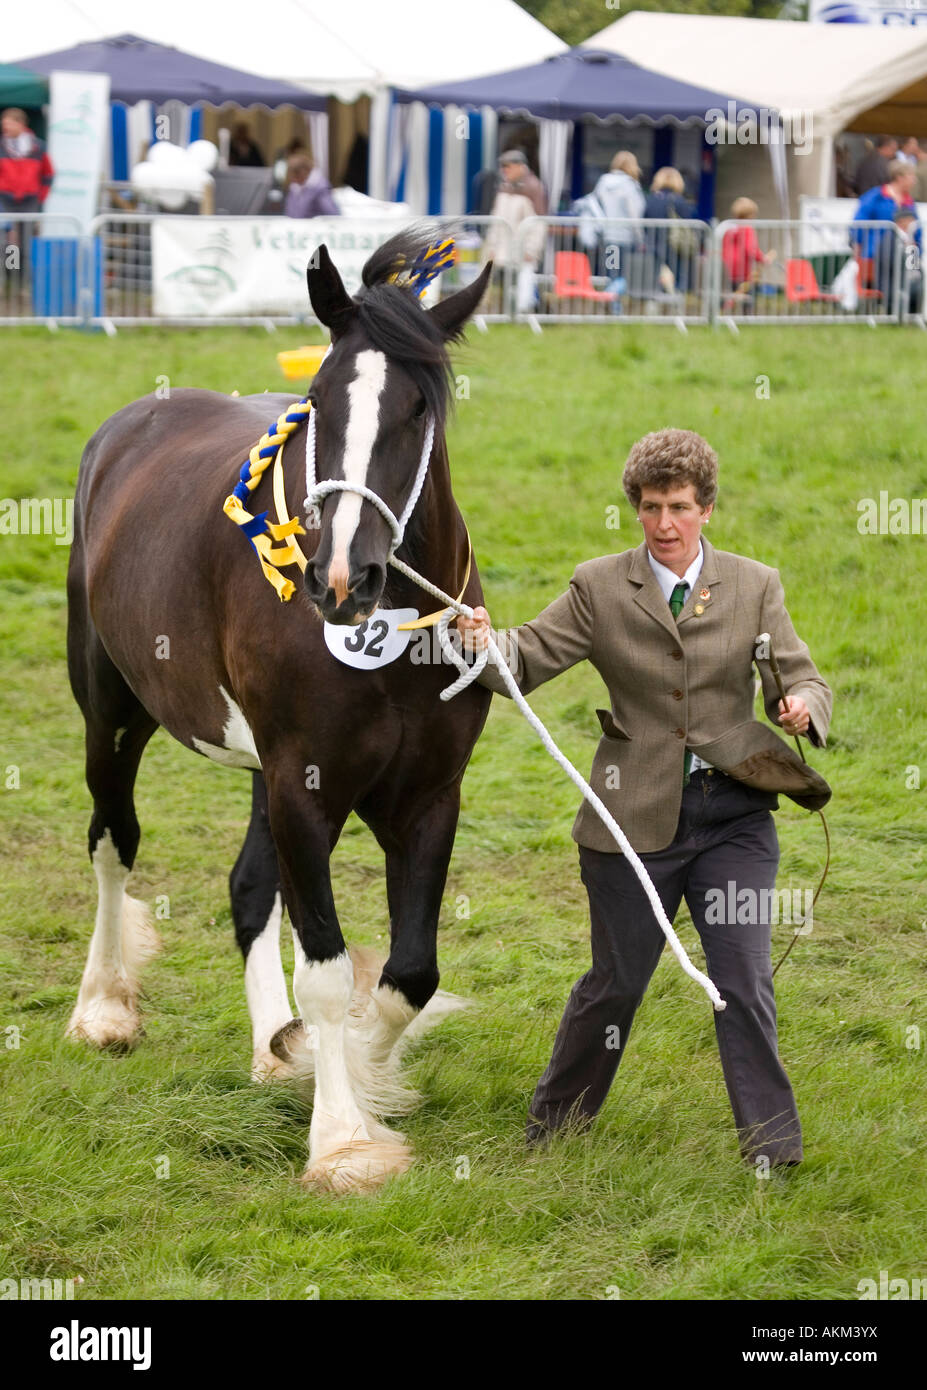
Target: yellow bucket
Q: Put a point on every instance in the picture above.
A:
(302, 362)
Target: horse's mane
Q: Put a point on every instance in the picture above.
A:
(395, 322)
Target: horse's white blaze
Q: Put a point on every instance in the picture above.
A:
(238, 748)
(123, 939)
(360, 435)
(266, 992)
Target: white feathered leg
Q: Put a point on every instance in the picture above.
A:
(106, 1012)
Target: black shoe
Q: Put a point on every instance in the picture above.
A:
(537, 1136)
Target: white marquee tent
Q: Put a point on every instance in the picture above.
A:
(842, 76)
(346, 50)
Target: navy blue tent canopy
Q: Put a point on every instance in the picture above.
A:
(583, 82)
(140, 70)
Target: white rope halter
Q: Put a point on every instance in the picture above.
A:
(315, 491)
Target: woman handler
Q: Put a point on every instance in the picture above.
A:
(688, 773)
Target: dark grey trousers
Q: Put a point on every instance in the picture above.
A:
(725, 836)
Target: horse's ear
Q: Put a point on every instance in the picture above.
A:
(452, 313)
(331, 303)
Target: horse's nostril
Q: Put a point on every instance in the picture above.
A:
(367, 584)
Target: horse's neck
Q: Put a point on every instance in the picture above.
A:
(438, 548)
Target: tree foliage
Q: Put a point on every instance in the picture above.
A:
(574, 21)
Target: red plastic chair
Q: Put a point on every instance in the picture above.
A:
(801, 285)
(866, 289)
(573, 279)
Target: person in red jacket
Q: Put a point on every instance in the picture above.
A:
(740, 250)
(25, 169)
(25, 177)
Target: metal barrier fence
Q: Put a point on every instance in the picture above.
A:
(41, 269)
(592, 270)
(135, 268)
(480, 239)
(804, 272)
(136, 288)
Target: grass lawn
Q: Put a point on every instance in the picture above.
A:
(167, 1174)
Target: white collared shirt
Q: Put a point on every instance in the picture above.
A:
(667, 581)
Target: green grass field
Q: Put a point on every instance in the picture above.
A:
(167, 1174)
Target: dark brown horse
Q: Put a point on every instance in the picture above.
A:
(171, 622)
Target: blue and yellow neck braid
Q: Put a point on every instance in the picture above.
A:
(258, 529)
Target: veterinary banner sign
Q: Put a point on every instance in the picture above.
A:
(229, 267)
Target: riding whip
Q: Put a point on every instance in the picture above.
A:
(764, 644)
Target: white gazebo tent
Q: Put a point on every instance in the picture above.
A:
(347, 50)
(825, 78)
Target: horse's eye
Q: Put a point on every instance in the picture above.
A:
(419, 411)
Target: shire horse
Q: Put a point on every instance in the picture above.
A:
(171, 623)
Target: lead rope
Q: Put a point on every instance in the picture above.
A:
(468, 674)
(315, 491)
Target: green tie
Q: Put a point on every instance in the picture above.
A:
(677, 602)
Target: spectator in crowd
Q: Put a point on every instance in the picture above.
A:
(309, 193)
(920, 183)
(620, 195)
(355, 172)
(25, 178)
(909, 227)
(520, 195)
(25, 169)
(671, 249)
(483, 192)
(243, 152)
(281, 164)
(910, 151)
(875, 248)
(846, 183)
(740, 251)
(872, 170)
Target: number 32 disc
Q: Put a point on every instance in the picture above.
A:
(372, 643)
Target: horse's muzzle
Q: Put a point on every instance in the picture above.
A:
(364, 590)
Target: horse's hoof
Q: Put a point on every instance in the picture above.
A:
(267, 1067)
(356, 1168)
(289, 1041)
(109, 1024)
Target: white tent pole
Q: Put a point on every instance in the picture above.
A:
(379, 132)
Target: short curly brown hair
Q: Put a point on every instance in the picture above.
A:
(668, 459)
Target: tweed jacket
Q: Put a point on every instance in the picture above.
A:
(674, 685)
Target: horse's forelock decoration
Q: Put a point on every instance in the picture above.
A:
(171, 623)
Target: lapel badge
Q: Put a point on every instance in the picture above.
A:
(699, 609)
(704, 593)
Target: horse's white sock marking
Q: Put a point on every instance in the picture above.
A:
(123, 939)
(359, 438)
(238, 749)
(342, 1153)
(378, 1020)
(266, 992)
